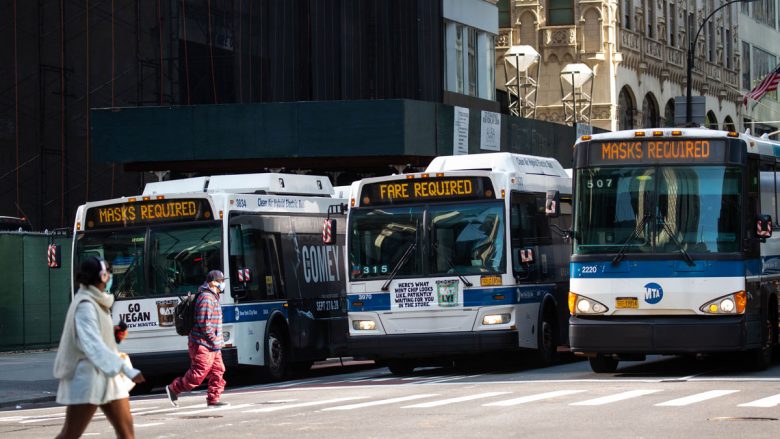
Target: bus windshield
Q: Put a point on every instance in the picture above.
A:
(462, 238)
(156, 261)
(693, 209)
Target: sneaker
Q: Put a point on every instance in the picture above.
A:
(172, 397)
(218, 404)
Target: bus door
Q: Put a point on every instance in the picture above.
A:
(532, 259)
(256, 281)
(318, 312)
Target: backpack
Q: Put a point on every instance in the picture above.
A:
(184, 314)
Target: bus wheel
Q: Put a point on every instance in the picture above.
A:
(602, 364)
(400, 367)
(275, 355)
(761, 359)
(547, 352)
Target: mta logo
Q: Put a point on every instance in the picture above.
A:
(653, 293)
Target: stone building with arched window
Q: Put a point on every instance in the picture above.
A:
(637, 51)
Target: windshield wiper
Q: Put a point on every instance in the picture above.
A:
(399, 265)
(683, 252)
(619, 256)
(454, 270)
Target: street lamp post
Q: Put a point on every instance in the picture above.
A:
(691, 57)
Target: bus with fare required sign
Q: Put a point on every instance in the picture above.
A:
(462, 259)
(673, 250)
(283, 306)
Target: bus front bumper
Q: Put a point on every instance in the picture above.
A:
(657, 335)
(431, 345)
(173, 362)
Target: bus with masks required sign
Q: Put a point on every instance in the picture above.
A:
(283, 303)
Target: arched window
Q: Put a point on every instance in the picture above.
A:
(561, 12)
(650, 116)
(728, 124)
(626, 108)
(712, 121)
(669, 113)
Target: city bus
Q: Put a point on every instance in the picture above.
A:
(283, 306)
(673, 251)
(462, 259)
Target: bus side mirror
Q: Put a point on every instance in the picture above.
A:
(329, 231)
(54, 256)
(764, 227)
(552, 205)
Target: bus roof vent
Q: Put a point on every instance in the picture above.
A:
(271, 183)
(498, 162)
(194, 184)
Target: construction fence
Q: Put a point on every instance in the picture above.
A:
(35, 298)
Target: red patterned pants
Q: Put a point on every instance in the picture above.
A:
(204, 363)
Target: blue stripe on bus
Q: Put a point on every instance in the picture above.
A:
(471, 297)
(661, 269)
(253, 312)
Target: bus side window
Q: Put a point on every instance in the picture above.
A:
(528, 224)
(767, 184)
(256, 251)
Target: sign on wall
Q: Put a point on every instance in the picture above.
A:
(460, 134)
(491, 131)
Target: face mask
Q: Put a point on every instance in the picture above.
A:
(109, 283)
(221, 286)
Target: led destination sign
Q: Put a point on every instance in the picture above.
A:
(657, 151)
(145, 212)
(421, 189)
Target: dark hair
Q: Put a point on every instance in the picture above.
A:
(89, 271)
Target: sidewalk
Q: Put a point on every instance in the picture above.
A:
(26, 377)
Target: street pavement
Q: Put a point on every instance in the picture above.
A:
(26, 377)
(660, 397)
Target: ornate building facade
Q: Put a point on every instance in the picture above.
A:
(636, 50)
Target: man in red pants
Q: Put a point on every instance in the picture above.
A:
(205, 345)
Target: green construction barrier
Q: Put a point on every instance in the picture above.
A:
(35, 297)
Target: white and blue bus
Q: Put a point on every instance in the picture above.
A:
(283, 306)
(673, 251)
(459, 260)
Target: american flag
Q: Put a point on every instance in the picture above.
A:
(767, 84)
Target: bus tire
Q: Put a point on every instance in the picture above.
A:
(761, 359)
(602, 364)
(276, 350)
(400, 367)
(547, 347)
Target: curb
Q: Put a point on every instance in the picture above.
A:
(33, 400)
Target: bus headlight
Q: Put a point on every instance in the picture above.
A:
(734, 303)
(585, 305)
(496, 319)
(364, 325)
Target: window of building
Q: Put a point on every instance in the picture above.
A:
(628, 13)
(472, 61)
(650, 116)
(669, 113)
(504, 14)
(763, 63)
(729, 49)
(746, 84)
(625, 109)
(650, 18)
(469, 61)
(764, 12)
(711, 41)
(673, 24)
(728, 124)
(712, 121)
(561, 12)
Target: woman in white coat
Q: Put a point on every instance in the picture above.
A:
(88, 365)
